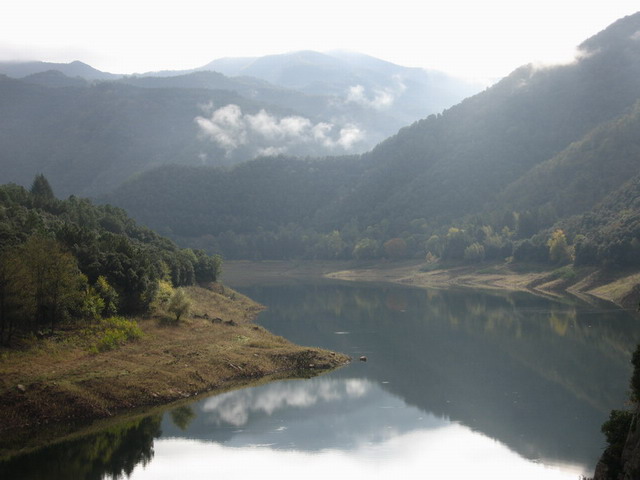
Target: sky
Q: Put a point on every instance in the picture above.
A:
(474, 39)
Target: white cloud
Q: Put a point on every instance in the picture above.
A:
(226, 127)
(349, 136)
(378, 98)
(235, 408)
(451, 452)
(268, 134)
(271, 151)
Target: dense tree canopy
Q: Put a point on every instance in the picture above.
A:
(65, 259)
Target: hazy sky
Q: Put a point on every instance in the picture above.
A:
(472, 38)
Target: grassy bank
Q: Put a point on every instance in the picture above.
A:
(62, 380)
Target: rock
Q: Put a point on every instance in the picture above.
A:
(363, 358)
(21, 388)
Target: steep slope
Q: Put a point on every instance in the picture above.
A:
(262, 194)
(89, 135)
(556, 140)
(449, 165)
(610, 232)
(580, 176)
(90, 139)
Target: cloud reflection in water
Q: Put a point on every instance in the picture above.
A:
(452, 452)
(235, 408)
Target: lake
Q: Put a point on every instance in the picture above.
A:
(457, 384)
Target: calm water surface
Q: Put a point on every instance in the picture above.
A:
(458, 384)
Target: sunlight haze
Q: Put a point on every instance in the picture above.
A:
(477, 40)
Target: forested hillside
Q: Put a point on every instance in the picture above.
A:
(66, 259)
(89, 131)
(496, 176)
(90, 139)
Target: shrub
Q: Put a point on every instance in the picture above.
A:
(179, 304)
(116, 332)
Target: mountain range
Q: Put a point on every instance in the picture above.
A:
(493, 176)
(55, 115)
(541, 150)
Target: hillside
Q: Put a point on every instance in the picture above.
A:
(89, 131)
(486, 179)
(100, 316)
(91, 138)
(89, 243)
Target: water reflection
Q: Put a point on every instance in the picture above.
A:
(459, 384)
(236, 407)
(451, 453)
(111, 453)
(538, 375)
(311, 415)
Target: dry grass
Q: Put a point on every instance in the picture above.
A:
(620, 288)
(59, 380)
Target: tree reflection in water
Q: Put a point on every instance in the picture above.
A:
(112, 453)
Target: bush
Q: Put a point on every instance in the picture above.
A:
(617, 427)
(116, 332)
(565, 273)
(179, 304)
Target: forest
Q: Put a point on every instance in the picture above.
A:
(72, 261)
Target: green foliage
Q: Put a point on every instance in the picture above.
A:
(41, 189)
(108, 295)
(531, 251)
(567, 272)
(365, 249)
(68, 260)
(559, 251)
(114, 332)
(179, 304)
(17, 304)
(474, 252)
(93, 305)
(616, 428)
(53, 280)
(621, 423)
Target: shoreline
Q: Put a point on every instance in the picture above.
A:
(586, 283)
(51, 389)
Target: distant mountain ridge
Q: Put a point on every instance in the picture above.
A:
(58, 121)
(76, 68)
(501, 168)
(361, 78)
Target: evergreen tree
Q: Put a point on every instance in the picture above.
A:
(41, 189)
